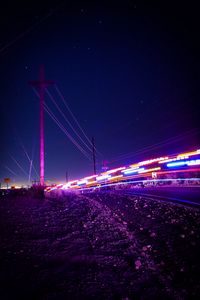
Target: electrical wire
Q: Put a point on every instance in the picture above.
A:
(12, 172)
(155, 146)
(51, 114)
(74, 118)
(18, 164)
(65, 131)
(64, 116)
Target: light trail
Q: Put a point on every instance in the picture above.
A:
(126, 175)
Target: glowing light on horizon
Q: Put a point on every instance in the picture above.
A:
(103, 177)
(89, 177)
(134, 166)
(136, 169)
(178, 163)
(132, 171)
(114, 170)
(82, 182)
(91, 182)
(115, 177)
(194, 162)
(59, 185)
(150, 170)
(74, 186)
(187, 154)
(168, 160)
(184, 163)
(150, 161)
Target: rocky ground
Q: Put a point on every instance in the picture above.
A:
(98, 246)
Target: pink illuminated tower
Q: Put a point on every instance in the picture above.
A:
(41, 84)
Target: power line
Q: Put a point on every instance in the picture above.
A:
(24, 149)
(74, 118)
(155, 146)
(65, 131)
(11, 171)
(18, 164)
(64, 116)
(51, 114)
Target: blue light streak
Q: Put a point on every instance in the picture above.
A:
(132, 171)
(184, 163)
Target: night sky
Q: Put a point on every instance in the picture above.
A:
(129, 72)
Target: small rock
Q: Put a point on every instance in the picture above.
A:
(153, 234)
(144, 248)
(137, 264)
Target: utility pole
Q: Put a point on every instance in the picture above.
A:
(94, 157)
(41, 84)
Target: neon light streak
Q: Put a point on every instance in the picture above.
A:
(59, 185)
(189, 153)
(175, 164)
(53, 188)
(144, 181)
(179, 171)
(149, 170)
(103, 177)
(89, 177)
(150, 161)
(71, 182)
(168, 160)
(132, 171)
(114, 170)
(115, 177)
(193, 162)
(91, 182)
(185, 163)
(74, 186)
(65, 186)
(82, 182)
(134, 166)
